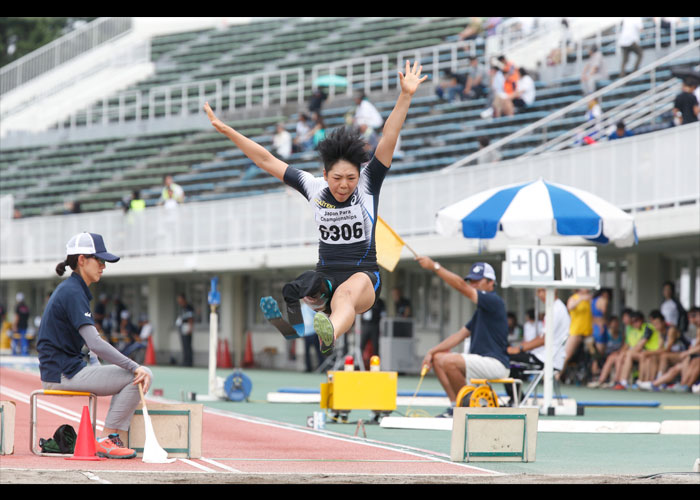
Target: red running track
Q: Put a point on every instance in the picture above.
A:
(231, 443)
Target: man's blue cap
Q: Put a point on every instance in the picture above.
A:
(481, 270)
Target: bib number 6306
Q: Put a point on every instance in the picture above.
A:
(344, 233)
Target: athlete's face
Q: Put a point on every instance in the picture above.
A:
(342, 179)
(90, 269)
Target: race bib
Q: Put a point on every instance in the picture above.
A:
(341, 225)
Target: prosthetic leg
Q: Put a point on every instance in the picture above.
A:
(314, 288)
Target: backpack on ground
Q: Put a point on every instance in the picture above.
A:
(63, 441)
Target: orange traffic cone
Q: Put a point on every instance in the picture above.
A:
(85, 442)
(223, 356)
(150, 358)
(248, 358)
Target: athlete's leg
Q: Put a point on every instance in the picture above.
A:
(352, 297)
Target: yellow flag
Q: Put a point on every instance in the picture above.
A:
(389, 245)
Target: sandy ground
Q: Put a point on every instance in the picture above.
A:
(21, 476)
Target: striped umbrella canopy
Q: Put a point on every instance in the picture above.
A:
(535, 210)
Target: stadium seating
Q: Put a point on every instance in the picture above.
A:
(99, 173)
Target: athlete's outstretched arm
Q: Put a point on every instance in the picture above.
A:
(392, 127)
(257, 154)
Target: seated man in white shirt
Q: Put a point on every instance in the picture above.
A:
(532, 352)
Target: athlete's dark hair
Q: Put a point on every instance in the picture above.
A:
(343, 143)
(71, 261)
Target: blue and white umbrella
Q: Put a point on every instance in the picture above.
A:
(537, 209)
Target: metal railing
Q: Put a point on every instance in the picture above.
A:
(643, 171)
(578, 105)
(62, 50)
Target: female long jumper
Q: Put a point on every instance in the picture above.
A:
(345, 202)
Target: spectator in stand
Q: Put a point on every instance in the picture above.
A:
(620, 132)
(316, 102)
(498, 82)
(532, 351)
(599, 309)
(366, 112)
(510, 73)
(282, 142)
(318, 131)
(688, 368)
(617, 347)
(475, 28)
(579, 306)
(593, 71)
(515, 331)
(20, 342)
(172, 193)
(685, 107)
(530, 327)
(452, 84)
(643, 337)
(402, 304)
(629, 40)
(673, 345)
(369, 136)
(303, 139)
(670, 306)
(477, 80)
(592, 115)
(521, 98)
(492, 156)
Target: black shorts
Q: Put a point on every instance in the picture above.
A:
(338, 277)
(519, 103)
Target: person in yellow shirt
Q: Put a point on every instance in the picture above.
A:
(579, 306)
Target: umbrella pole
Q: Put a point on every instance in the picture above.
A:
(548, 347)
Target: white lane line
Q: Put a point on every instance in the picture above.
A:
(220, 465)
(95, 478)
(196, 465)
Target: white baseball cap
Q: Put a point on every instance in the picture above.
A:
(89, 244)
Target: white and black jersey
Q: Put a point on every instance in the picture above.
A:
(346, 230)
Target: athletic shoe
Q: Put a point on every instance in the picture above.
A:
(446, 414)
(324, 330)
(106, 447)
(593, 385)
(645, 385)
(619, 387)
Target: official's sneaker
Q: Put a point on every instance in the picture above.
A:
(324, 330)
(112, 447)
(448, 413)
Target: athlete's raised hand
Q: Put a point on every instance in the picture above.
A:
(218, 124)
(411, 80)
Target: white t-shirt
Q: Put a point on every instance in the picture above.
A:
(630, 31)
(282, 142)
(368, 114)
(562, 321)
(526, 85)
(669, 311)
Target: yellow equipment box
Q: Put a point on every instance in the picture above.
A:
(351, 390)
